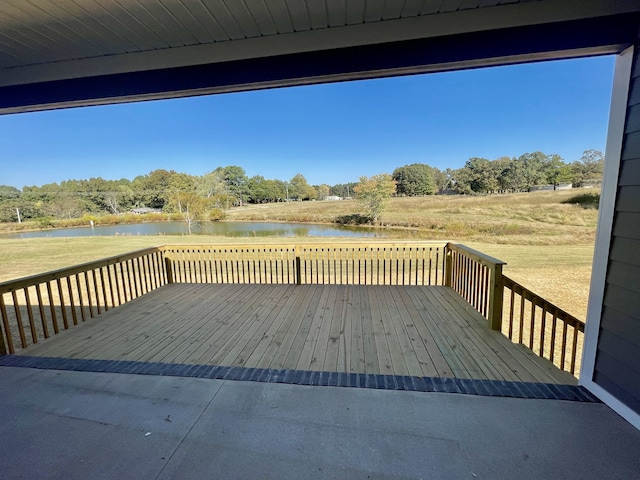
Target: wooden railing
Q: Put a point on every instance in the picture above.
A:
(36, 307)
(546, 329)
(230, 264)
(478, 279)
(381, 264)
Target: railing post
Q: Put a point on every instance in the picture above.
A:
(448, 265)
(298, 266)
(169, 268)
(496, 298)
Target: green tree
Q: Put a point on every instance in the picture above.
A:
(235, 180)
(322, 191)
(191, 206)
(374, 194)
(210, 184)
(344, 190)
(588, 169)
(414, 179)
(477, 176)
(300, 189)
(556, 171)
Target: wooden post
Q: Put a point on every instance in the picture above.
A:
(496, 298)
(298, 266)
(448, 265)
(169, 268)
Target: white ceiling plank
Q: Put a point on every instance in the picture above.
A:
(14, 48)
(411, 8)
(299, 15)
(392, 9)
(221, 14)
(449, 6)
(155, 19)
(355, 11)
(249, 27)
(59, 26)
(210, 24)
(373, 10)
(468, 4)
(127, 25)
(117, 22)
(337, 12)
(23, 21)
(318, 16)
(187, 24)
(280, 15)
(430, 7)
(89, 14)
(25, 37)
(262, 16)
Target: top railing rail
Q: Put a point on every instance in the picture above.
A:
(349, 263)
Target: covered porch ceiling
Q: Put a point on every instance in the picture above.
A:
(87, 52)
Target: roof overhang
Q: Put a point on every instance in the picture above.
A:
(481, 36)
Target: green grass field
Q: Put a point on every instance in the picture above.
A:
(547, 243)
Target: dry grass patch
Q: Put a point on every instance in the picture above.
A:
(540, 218)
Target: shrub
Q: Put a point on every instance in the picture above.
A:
(216, 214)
(354, 219)
(585, 200)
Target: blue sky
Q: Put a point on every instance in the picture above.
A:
(330, 133)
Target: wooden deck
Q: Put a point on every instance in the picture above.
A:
(398, 330)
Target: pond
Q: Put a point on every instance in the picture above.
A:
(226, 229)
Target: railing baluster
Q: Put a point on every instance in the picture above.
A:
(43, 317)
(554, 323)
(521, 337)
(97, 292)
(574, 346)
(80, 300)
(511, 305)
(52, 307)
(16, 308)
(543, 326)
(65, 320)
(32, 325)
(103, 289)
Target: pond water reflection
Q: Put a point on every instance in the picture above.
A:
(227, 229)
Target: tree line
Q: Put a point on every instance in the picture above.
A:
(210, 194)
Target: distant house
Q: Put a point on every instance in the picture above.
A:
(332, 197)
(142, 210)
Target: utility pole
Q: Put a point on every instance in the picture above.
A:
(18, 213)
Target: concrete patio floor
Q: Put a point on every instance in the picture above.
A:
(78, 425)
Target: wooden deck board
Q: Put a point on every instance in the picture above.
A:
(412, 330)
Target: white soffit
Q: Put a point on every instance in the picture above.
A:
(42, 40)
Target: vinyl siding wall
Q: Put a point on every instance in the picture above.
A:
(617, 366)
